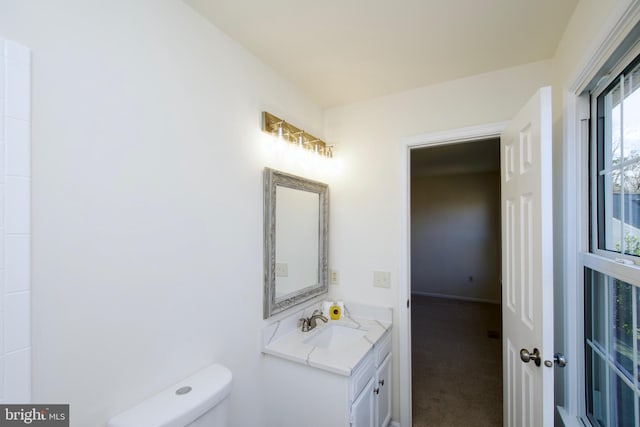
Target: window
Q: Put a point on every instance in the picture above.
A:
(611, 274)
(618, 164)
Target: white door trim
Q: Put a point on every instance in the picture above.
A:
(452, 136)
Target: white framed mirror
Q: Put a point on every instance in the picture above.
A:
(296, 228)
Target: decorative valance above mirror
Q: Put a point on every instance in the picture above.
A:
(296, 228)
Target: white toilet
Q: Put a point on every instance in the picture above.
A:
(198, 401)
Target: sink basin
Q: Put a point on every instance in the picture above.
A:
(335, 337)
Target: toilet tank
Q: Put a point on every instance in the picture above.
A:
(198, 401)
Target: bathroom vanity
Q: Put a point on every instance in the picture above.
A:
(334, 374)
(338, 374)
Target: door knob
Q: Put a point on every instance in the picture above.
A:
(526, 357)
(558, 359)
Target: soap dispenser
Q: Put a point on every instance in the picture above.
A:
(335, 312)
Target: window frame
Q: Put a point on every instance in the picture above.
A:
(591, 257)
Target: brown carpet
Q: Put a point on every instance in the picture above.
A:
(456, 363)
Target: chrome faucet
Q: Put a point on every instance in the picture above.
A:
(311, 322)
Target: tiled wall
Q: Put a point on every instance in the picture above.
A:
(15, 223)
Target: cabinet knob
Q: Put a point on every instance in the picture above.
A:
(376, 390)
(381, 382)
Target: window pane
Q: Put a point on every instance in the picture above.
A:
(614, 119)
(596, 389)
(631, 206)
(631, 119)
(610, 202)
(596, 299)
(622, 327)
(622, 398)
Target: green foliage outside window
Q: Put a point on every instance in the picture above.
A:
(631, 244)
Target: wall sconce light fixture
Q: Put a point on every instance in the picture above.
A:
(293, 135)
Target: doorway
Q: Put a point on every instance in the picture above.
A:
(456, 347)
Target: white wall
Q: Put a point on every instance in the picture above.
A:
(366, 207)
(455, 235)
(147, 200)
(15, 224)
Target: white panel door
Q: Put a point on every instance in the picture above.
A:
(527, 265)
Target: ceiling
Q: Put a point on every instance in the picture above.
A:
(343, 51)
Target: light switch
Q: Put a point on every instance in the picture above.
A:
(381, 279)
(334, 277)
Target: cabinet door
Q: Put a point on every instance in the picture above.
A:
(362, 410)
(382, 390)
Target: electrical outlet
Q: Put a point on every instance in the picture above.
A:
(381, 279)
(334, 277)
(282, 269)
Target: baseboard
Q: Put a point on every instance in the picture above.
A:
(394, 424)
(436, 295)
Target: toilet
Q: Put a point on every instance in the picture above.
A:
(198, 401)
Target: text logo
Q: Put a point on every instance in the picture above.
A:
(34, 415)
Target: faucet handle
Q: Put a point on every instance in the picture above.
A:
(305, 324)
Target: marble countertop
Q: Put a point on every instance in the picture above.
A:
(285, 339)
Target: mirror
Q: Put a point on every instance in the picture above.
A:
(296, 227)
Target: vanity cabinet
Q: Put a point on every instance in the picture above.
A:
(372, 407)
(383, 393)
(362, 410)
(300, 395)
